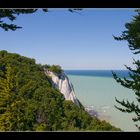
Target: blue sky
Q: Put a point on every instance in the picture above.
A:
(72, 40)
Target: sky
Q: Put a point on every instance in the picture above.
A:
(81, 40)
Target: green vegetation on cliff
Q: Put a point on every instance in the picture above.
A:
(28, 102)
(54, 68)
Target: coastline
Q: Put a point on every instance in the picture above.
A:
(97, 94)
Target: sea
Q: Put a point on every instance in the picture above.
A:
(97, 89)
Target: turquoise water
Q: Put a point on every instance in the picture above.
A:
(100, 92)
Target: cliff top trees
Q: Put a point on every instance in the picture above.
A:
(132, 36)
(55, 68)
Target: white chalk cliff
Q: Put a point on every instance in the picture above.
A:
(63, 84)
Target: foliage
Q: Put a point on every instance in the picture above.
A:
(12, 14)
(28, 101)
(6, 99)
(55, 68)
(132, 33)
(132, 36)
(98, 125)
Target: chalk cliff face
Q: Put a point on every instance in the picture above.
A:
(62, 82)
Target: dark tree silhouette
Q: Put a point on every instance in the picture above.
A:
(132, 36)
(12, 14)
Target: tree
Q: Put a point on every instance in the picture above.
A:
(12, 14)
(132, 36)
(29, 102)
(55, 68)
(6, 99)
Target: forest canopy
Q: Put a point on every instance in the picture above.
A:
(29, 102)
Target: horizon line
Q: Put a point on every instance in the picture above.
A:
(95, 69)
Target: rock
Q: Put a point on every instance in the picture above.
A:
(91, 111)
(63, 84)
